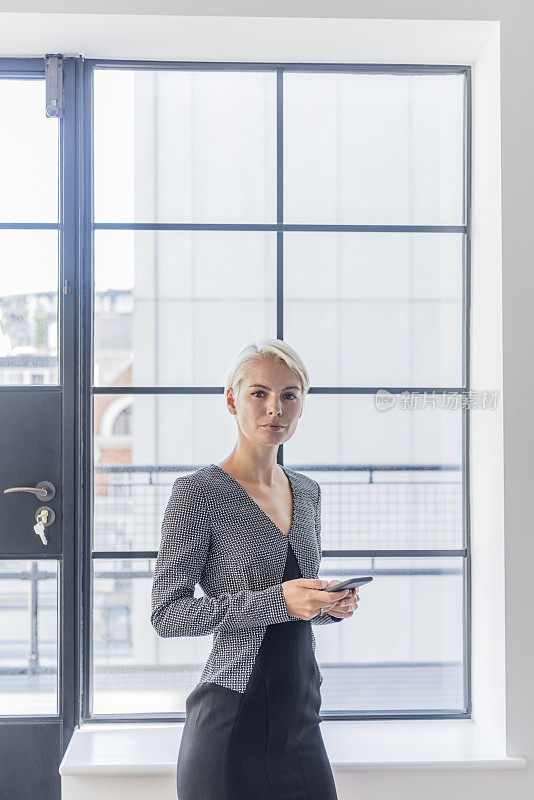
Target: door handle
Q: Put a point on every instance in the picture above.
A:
(44, 490)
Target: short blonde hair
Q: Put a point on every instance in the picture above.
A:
(276, 349)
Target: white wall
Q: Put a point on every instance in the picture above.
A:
(516, 44)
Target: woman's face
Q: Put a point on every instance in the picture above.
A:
(270, 393)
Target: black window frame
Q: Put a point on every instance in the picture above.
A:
(83, 169)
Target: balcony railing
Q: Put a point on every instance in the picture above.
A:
(369, 511)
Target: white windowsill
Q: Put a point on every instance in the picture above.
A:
(152, 749)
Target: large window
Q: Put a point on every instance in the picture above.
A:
(327, 206)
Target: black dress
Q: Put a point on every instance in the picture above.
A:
(264, 743)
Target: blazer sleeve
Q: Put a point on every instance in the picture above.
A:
(325, 618)
(183, 550)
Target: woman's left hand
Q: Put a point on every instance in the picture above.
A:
(346, 606)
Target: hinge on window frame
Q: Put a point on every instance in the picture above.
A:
(54, 85)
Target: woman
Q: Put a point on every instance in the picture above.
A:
(249, 532)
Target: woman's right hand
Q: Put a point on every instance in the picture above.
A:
(303, 600)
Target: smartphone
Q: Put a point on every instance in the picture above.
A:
(352, 583)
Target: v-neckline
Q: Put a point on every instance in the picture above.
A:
(259, 508)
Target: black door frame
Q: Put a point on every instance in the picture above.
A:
(52, 733)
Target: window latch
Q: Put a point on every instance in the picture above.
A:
(54, 85)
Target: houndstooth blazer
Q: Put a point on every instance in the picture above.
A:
(214, 534)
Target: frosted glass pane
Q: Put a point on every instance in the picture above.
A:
(375, 309)
(141, 444)
(134, 670)
(402, 649)
(366, 149)
(185, 146)
(353, 431)
(163, 299)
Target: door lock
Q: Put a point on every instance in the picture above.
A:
(45, 516)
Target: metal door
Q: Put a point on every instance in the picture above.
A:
(38, 340)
